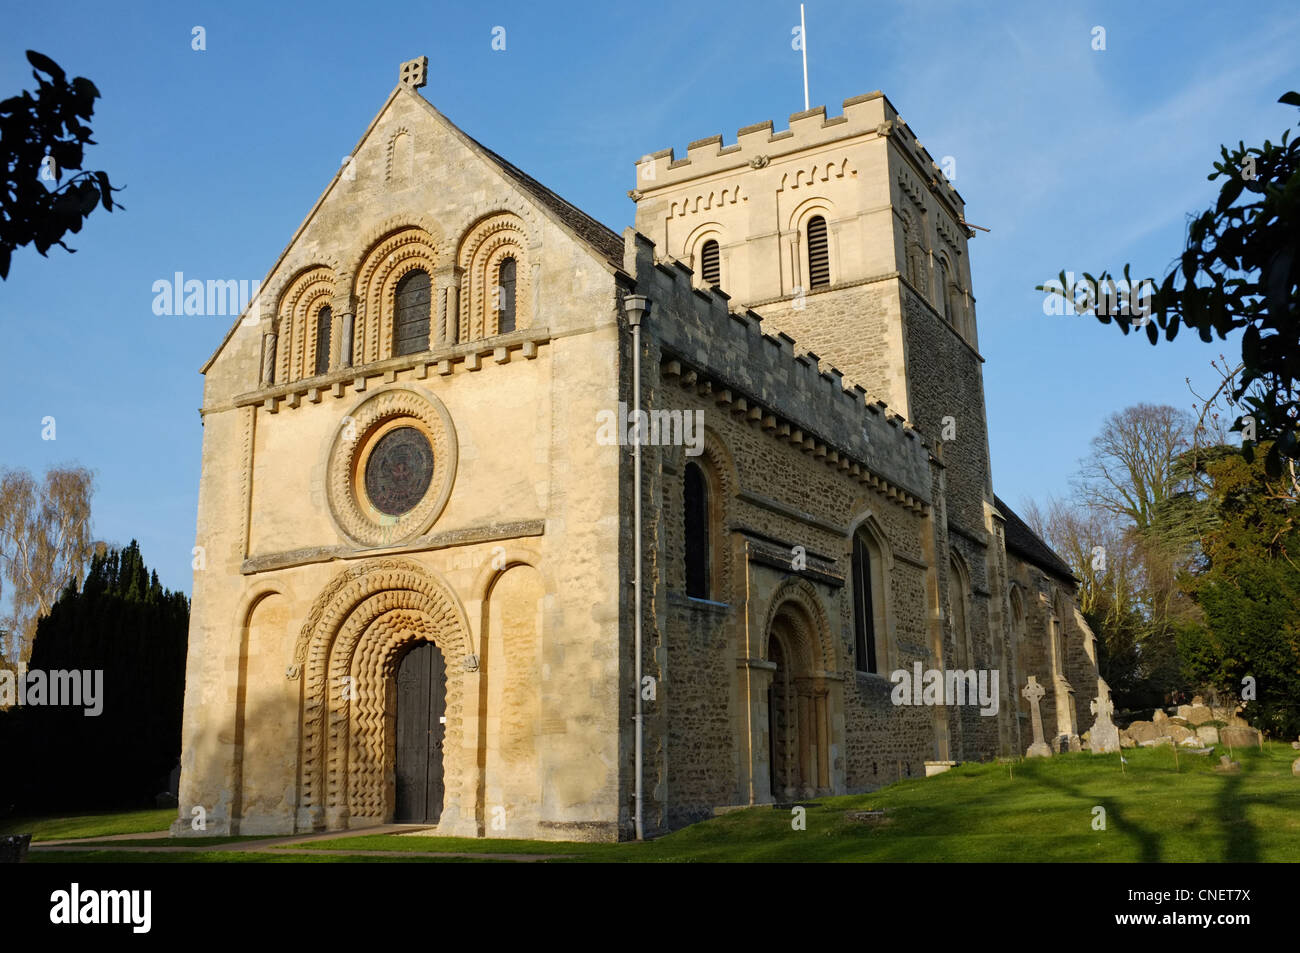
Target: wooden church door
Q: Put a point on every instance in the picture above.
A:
(421, 717)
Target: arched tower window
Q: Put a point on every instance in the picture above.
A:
(696, 498)
(323, 319)
(864, 605)
(411, 313)
(819, 258)
(944, 308)
(711, 263)
(506, 293)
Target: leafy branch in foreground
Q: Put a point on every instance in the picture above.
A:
(41, 137)
(1240, 270)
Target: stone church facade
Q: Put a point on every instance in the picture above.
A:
(415, 597)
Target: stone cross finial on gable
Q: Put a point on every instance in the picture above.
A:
(415, 73)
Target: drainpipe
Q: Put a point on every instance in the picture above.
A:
(637, 306)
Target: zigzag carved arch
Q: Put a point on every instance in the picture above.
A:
(350, 644)
(296, 312)
(394, 256)
(486, 244)
(798, 599)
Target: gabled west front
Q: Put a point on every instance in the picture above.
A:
(417, 583)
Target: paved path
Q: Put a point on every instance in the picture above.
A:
(196, 845)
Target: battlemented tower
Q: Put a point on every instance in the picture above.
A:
(844, 233)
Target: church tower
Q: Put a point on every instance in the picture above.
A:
(845, 234)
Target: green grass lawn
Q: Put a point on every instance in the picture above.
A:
(233, 857)
(1039, 810)
(91, 825)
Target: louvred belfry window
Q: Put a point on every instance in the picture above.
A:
(819, 258)
(711, 263)
(411, 314)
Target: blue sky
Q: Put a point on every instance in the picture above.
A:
(1076, 159)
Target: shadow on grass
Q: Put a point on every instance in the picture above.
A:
(1148, 841)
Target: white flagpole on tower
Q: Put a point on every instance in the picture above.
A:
(803, 42)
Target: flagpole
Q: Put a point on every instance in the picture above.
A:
(803, 42)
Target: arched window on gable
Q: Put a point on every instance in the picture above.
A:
(866, 602)
(711, 263)
(411, 313)
(698, 532)
(819, 256)
(506, 296)
(323, 319)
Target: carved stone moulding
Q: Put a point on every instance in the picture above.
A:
(373, 425)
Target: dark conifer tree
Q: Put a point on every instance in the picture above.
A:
(123, 622)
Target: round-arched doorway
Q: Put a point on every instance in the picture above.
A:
(421, 732)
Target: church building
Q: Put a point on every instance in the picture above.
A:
(468, 450)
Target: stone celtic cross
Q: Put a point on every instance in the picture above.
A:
(1103, 736)
(1033, 693)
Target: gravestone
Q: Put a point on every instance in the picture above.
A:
(1141, 731)
(13, 848)
(1180, 734)
(1103, 736)
(1238, 737)
(1033, 693)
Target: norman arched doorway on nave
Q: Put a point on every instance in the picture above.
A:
(797, 710)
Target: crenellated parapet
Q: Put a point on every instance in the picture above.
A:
(727, 357)
(870, 116)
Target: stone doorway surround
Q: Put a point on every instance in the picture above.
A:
(347, 656)
(791, 701)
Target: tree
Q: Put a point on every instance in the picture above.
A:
(1249, 591)
(41, 137)
(1140, 473)
(1239, 271)
(1134, 466)
(44, 544)
(123, 623)
(1129, 534)
(1099, 551)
